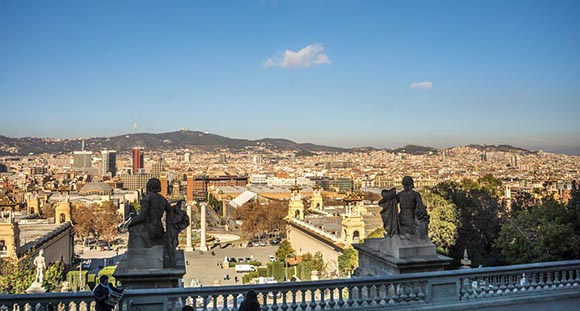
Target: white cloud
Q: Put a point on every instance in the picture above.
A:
(310, 56)
(427, 85)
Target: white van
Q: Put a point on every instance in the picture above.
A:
(245, 268)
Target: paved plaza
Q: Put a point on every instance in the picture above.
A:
(205, 266)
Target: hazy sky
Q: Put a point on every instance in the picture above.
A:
(343, 73)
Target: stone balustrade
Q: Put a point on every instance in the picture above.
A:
(553, 283)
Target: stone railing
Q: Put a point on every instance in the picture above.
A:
(554, 284)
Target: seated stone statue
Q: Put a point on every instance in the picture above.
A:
(409, 217)
(146, 230)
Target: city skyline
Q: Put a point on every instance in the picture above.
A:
(345, 74)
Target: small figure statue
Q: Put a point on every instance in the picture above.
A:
(40, 264)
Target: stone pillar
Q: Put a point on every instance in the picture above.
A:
(188, 247)
(189, 189)
(202, 242)
(224, 208)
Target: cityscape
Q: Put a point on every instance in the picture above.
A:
(305, 156)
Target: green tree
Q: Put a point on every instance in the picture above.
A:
(284, 249)
(478, 211)
(491, 184)
(537, 235)
(16, 274)
(522, 202)
(315, 261)
(53, 277)
(348, 262)
(443, 221)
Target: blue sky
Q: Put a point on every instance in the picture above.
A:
(342, 73)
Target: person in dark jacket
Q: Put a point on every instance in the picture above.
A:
(250, 303)
(101, 293)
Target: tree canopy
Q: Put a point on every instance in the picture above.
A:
(348, 261)
(284, 249)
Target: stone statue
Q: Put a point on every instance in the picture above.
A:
(176, 221)
(146, 229)
(411, 219)
(389, 212)
(40, 264)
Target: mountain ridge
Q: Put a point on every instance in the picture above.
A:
(189, 139)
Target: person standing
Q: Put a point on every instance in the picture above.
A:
(102, 292)
(250, 303)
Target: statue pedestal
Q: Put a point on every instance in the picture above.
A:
(398, 255)
(135, 274)
(35, 288)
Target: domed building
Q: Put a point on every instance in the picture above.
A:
(98, 188)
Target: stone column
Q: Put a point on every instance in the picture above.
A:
(202, 244)
(188, 247)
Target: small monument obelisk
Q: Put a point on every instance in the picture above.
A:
(203, 242)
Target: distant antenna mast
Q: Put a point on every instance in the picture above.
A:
(135, 125)
(83, 144)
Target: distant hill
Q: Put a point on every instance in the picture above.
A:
(196, 140)
(162, 141)
(414, 149)
(501, 148)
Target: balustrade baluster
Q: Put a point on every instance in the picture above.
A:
(391, 294)
(549, 282)
(331, 302)
(420, 294)
(303, 304)
(557, 282)
(294, 305)
(534, 285)
(350, 300)
(570, 278)
(274, 305)
(541, 277)
(502, 287)
(404, 297)
(510, 284)
(340, 301)
(284, 305)
(312, 303)
(412, 295)
(577, 279)
(379, 294)
(322, 301)
(564, 282)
